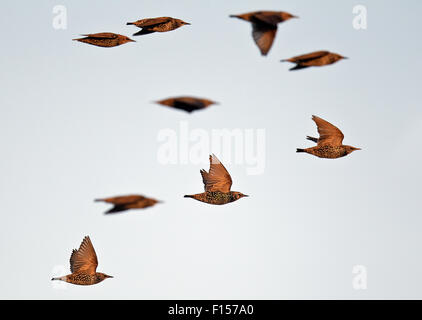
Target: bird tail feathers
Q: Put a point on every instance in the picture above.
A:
(298, 67)
(142, 32)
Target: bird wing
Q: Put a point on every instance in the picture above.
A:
(85, 259)
(263, 35)
(152, 22)
(328, 133)
(218, 178)
(308, 56)
(103, 35)
(123, 200)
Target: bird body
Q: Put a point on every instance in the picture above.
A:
(83, 279)
(160, 24)
(104, 39)
(123, 203)
(330, 141)
(314, 59)
(215, 197)
(329, 152)
(188, 104)
(217, 184)
(264, 26)
(83, 266)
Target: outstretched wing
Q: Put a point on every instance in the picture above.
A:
(218, 178)
(308, 57)
(84, 260)
(103, 35)
(328, 133)
(145, 23)
(123, 200)
(263, 35)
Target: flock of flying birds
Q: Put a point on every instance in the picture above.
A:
(217, 181)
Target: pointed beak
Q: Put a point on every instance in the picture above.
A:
(246, 195)
(344, 57)
(358, 149)
(107, 276)
(187, 23)
(132, 40)
(295, 17)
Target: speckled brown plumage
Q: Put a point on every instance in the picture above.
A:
(105, 39)
(83, 266)
(188, 104)
(217, 184)
(123, 203)
(161, 24)
(264, 26)
(314, 59)
(330, 141)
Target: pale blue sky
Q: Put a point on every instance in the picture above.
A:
(77, 123)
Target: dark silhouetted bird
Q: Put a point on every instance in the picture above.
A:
(264, 26)
(314, 59)
(83, 265)
(161, 24)
(329, 143)
(217, 184)
(104, 39)
(123, 203)
(188, 104)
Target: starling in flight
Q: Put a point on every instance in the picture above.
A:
(123, 203)
(314, 59)
(161, 24)
(217, 184)
(83, 265)
(189, 104)
(264, 26)
(104, 39)
(329, 143)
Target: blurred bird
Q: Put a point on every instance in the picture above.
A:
(217, 184)
(123, 203)
(314, 59)
(104, 39)
(329, 143)
(83, 265)
(161, 24)
(189, 104)
(264, 26)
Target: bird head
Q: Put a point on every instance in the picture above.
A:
(154, 201)
(287, 16)
(238, 195)
(350, 149)
(125, 39)
(338, 57)
(208, 102)
(102, 276)
(181, 22)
